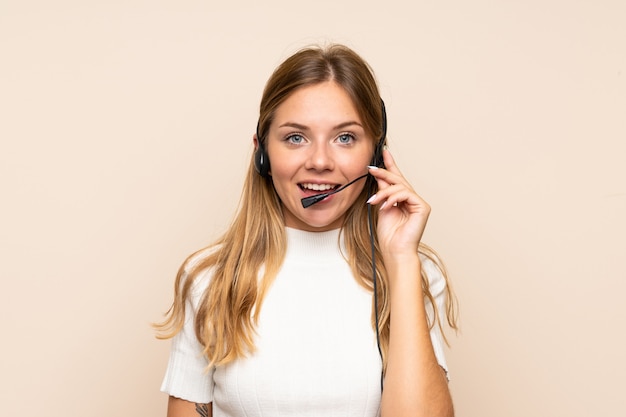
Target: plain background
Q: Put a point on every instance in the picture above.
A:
(126, 128)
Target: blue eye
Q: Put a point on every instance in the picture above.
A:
(295, 139)
(345, 138)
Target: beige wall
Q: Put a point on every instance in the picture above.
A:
(126, 125)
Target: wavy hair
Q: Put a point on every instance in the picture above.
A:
(246, 258)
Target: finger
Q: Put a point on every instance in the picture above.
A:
(386, 178)
(375, 172)
(397, 194)
(405, 199)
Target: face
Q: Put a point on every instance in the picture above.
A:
(317, 143)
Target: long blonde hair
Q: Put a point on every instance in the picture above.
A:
(255, 242)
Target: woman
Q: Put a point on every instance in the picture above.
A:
(282, 316)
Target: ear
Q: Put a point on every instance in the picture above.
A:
(255, 141)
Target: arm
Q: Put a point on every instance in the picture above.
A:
(177, 407)
(415, 384)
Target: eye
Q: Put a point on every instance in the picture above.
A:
(295, 139)
(345, 138)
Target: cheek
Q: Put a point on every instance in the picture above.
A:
(281, 164)
(282, 180)
(280, 173)
(356, 166)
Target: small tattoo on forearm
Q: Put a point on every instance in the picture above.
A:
(203, 410)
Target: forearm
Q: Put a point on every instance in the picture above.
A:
(415, 384)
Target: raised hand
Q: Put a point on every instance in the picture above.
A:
(403, 213)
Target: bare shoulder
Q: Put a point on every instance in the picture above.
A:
(177, 407)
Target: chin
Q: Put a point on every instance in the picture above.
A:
(313, 225)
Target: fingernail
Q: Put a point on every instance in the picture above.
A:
(372, 167)
(383, 205)
(369, 200)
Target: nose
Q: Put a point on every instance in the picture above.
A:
(320, 157)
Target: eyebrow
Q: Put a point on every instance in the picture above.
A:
(338, 127)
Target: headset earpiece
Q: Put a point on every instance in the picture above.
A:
(261, 159)
(377, 159)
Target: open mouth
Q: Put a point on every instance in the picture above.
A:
(317, 188)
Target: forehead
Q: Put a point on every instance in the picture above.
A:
(323, 102)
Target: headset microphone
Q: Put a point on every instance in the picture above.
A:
(309, 201)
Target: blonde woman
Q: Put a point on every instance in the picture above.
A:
(298, 310)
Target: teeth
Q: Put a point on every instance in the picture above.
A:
(318, 187)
